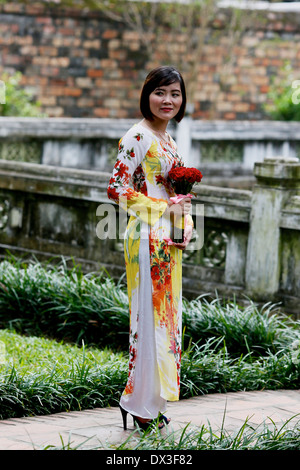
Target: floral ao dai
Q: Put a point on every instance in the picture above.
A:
(153, 270)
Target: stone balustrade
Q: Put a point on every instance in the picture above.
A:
(225, 151)
(251, 242)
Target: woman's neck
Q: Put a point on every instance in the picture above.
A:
(156, 125)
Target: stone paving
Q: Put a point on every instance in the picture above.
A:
(102, 427)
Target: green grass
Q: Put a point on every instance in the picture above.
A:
(265, 436)
(259, 329)
(68, 305)
(191, 438)
(41, 376)
(63, 303)
(47, 312)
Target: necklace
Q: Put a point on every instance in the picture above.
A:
(166, 139)
(164, 136)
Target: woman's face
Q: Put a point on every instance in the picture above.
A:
(165, 101)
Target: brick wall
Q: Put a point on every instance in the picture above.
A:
(85, 65)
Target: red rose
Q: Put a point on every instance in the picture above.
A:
(177, 174)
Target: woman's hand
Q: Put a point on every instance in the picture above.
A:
(187, 235)
(180, 208)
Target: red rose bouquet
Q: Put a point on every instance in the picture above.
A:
(182, 179)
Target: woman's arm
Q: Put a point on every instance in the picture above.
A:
(132, 150)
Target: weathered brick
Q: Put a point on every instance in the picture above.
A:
(12, 7)
(118, 55)
(84, 82)
(48, 100)
(59, 61)
(49, 71)
(241, 107)
(109, 64)
(43, 20)
(112, 103)
(114, 44)
(54, 111)
(92, 44)
(230, 116)
(34, 81)
(56, 90)
(101, 112)
(110, 34)
(47, 50)
(95, 73)
(85, 102)
(223, 106)
(23, 40)
(72, 91)
(131, 36)
(34, 9)
(83, 63)
(11, 59)
(40, 60)
(264, 89)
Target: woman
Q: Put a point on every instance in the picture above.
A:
(138, 184)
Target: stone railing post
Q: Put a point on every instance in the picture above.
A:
(278, 179)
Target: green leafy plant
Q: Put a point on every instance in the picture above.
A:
(42, 376)
(227, 348)
(65, 304)
(19, 101)
(280, 105)
(192, 438)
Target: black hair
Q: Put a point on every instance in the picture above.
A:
(161, 76)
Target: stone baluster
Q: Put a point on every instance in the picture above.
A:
(277, 180)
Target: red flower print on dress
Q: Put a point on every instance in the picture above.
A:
(130, 153)
(166, 183)
(155, 275)
(122, 170)
(139, 137)
(138, 180)
(112, 192)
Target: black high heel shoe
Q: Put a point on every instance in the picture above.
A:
(162, 420)
(124, 416)
(143, 425)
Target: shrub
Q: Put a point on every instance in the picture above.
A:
(280, 105)
(41, 376)
(63, 304)
(19, 101)
(68, 305)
